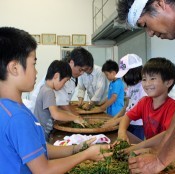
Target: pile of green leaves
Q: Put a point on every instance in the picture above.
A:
(108, 167)
(117, 148)
(89, 125)
(111, 165)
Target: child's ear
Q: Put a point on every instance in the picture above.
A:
(71, 63)
(56, 76)
(169, 82)
(12, 67)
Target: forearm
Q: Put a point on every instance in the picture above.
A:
(124, 124)
(63, 115)
(150, 143)
(109, 102)
(65, 164)
(56, 166)
(59, 151)
(69, 108)
(166, 148)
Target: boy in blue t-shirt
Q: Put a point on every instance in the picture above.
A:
(23, 148)
(115, 100)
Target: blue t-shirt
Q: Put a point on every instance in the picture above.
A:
(116, 87)
(21, 138)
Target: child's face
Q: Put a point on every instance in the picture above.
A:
(110, 75)
(154, 85)
(60, 83)
(28, 76)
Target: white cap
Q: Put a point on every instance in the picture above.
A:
(128, 62)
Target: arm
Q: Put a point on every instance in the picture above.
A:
(81, 88)
(109, 102)
(116, 119)
(166, 147)
(100, 88)
(122, 132)
(44, 166)
(69, 109)
(61, 115)
(150, 143)
(154, 163)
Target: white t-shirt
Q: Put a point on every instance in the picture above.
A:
(96, 85)
(135, 93)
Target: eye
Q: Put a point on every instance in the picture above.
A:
(153, 78)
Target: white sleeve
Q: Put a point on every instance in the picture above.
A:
(81, 88)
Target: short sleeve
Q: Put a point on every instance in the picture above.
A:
(26, 136)
(49, 99)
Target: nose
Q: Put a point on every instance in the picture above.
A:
(146, 83)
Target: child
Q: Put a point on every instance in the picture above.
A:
(46, 110)
(23, 148)
(157, 109)
(130, 69)
(115, 101)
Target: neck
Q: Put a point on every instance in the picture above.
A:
(9, 91)
(158, 101)
(50, 84)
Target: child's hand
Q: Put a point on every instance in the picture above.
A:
(81, 146)
(80, 104)
(81, 121)
(97, 152)
(123, 136)
(87, 106)
(111, 123)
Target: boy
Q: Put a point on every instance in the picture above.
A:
(157, 109)
(115, 101)
(46, 110)
(79, 62)
(23, 148)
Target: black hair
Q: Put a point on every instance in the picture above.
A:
(81, 57)
(123, 7)
(133, 76)
(61, 67)
(110, 66)
(161, 66)
(15, 44)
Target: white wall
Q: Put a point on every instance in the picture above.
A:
(163, 48)
(61, 17)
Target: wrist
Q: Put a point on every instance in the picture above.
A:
(161, 163)
(75, 149)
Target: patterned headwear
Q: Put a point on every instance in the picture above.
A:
(135, 12)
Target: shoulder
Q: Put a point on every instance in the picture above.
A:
(14, 111)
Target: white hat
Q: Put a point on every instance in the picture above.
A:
(128, 62)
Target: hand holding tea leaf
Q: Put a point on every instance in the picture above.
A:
(80, 121)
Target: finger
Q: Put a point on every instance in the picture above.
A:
(135, 171)
(107, 154)
(132, 160)
(90, 141)
(81, 124)
(115, 143)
